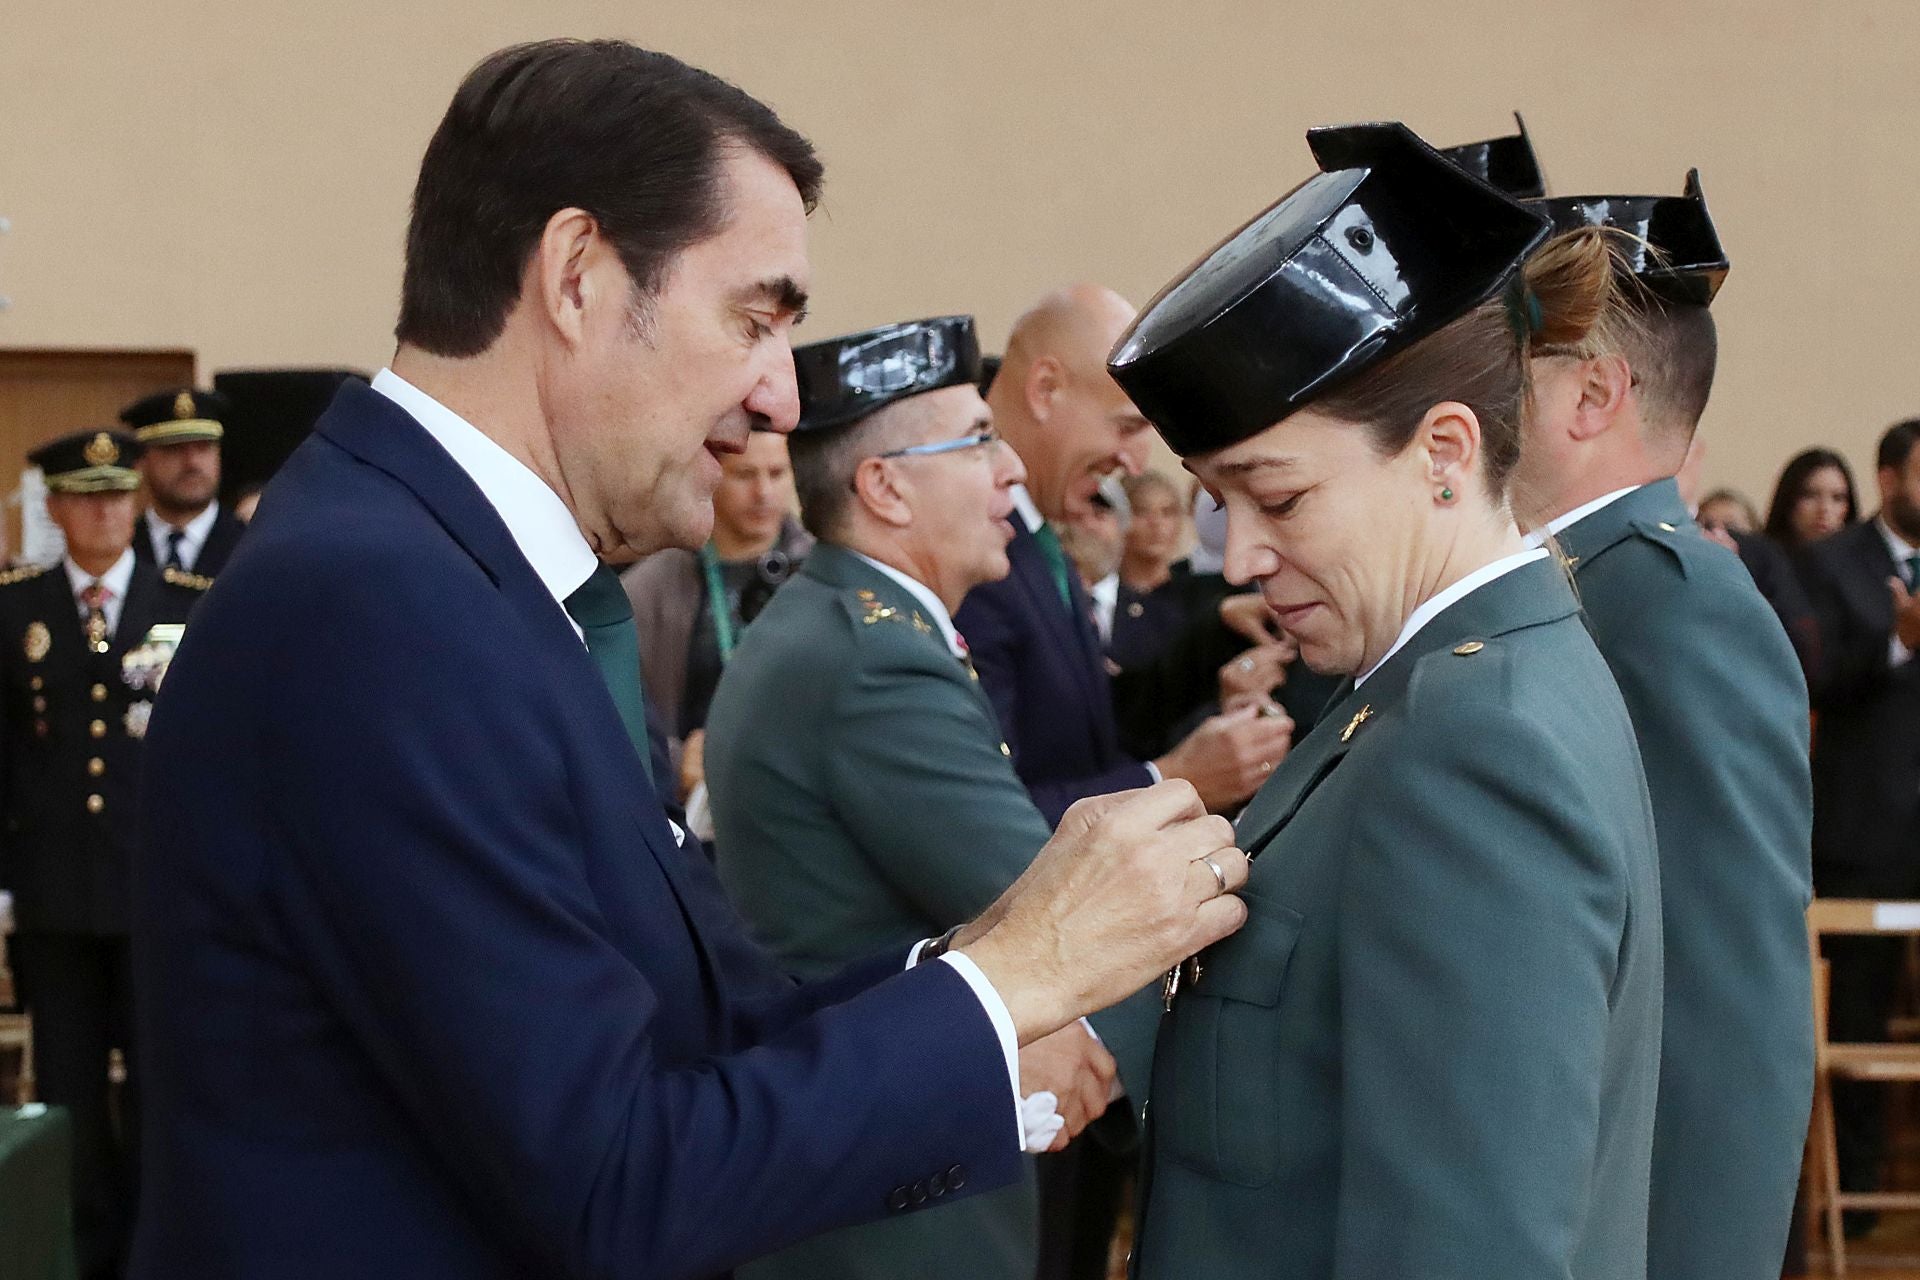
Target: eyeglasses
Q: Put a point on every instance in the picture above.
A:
(987, 437)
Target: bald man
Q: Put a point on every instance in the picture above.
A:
(1032, 635)
(1033, 642)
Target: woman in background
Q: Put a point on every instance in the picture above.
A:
(1815, 499)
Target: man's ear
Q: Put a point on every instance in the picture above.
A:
(1044, 380)
(877, 488)
(569, 273)
(1604, 384)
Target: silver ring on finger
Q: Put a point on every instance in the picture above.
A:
(1246, 664)
(1218, 874)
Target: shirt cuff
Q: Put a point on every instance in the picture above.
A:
(1002, 1026)
(1898, 655)
(1153, 770)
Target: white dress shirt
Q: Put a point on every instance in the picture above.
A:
(1460, 590)
(1559, 524)
(115, 581)
(545, 532)
(193, 535)
(1105, 595)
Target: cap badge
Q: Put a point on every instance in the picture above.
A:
(183, 405)
(38, 641)
(101, 451)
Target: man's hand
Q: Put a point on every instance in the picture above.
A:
(1130, 885)
(1075, 1068)
(1229, 755)
(1906, 614)
(693, 763)
(1248, 615)
(1254, 675)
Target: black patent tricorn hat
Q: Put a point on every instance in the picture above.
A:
(844, 379)
(1389, 242)
(1507, 162)
(1675, 249)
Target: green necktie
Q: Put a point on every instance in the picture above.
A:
(1056, 561)
(604, 613)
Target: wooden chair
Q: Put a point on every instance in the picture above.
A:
(1877, 1063)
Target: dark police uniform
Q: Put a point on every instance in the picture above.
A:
(180, 417)
(1433, 1048)
(74, 701)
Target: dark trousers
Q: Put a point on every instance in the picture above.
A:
(79, 990)
(1080, 1194)
(1863, 976)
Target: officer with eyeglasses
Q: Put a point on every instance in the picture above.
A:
(863, 794)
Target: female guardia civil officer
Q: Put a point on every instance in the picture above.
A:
(1432, 1051)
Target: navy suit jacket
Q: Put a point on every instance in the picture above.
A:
(1043, 667)
(426, 986)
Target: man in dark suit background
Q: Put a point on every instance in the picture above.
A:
(186, 527)
(83, 646)
(1865, 584)
(1031, 634)
(431, 986)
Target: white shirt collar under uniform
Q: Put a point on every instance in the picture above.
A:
(193, 535)
(1559, 524)
(930, 602)
(115, 580)
(1029, 514)
(1460, 590)
(539, 522)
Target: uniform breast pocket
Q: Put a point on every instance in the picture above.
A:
(1215, 1108)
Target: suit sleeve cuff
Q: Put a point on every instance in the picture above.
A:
(1002, 1025)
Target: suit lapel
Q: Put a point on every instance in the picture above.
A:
(1057, 621)
(380, 433)
(136, 614)
(1274, 805)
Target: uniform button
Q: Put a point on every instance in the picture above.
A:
(95, 803)
(39, 704)
(40, 728)
(99, 693)
(98, 728)
(918, 1192)
(1135, 609)
(39, 683)
(1006, 751)
(897, 1199)
(96, 767)
(101, 646)
(956, 1177)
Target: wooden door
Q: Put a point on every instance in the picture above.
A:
(47, 392)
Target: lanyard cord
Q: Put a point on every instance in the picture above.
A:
(717, 603)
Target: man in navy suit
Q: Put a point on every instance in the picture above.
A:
(432, 988)
(1032, 633)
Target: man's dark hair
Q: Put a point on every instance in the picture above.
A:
(635, 138)
(1897, 444)
(1674, 354)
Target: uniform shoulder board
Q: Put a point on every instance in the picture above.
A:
(191, 581)
(24, 573)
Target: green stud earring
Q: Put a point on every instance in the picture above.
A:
(1446, 495)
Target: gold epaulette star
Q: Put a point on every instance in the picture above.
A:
(191, 581)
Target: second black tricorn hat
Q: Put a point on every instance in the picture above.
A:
(89, 462)
(1671, 243)
(1507, 162)
(1389, 242)
(844, 379)
(175, 417)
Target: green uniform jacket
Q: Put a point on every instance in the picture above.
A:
(1433, 1049)
(1720, 707)
(863, 798)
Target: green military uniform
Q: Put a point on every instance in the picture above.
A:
(1720, 707)
(1433, 1049)
(863, 799)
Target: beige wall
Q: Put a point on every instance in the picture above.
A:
(233, 176)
